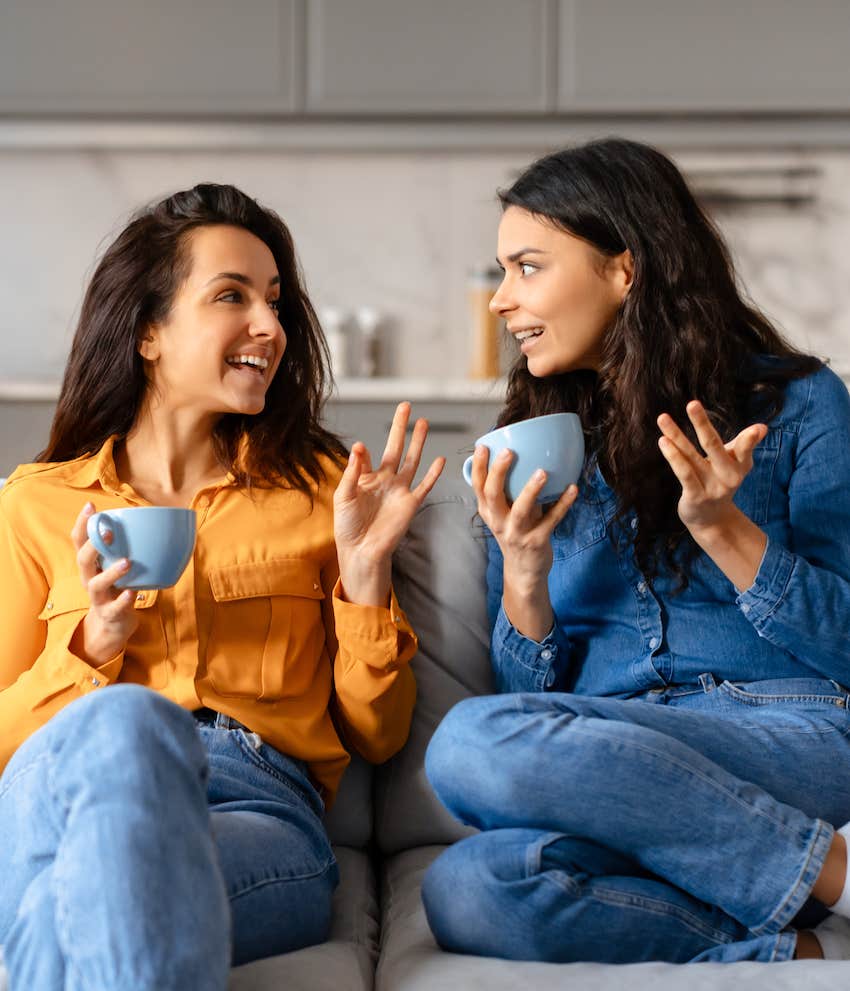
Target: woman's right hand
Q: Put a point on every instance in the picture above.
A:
(523, 532)
(111, 619)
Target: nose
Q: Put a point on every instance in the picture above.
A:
(265, 322)
(500, 302)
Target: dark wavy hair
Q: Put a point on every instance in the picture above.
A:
(683, 331)
(134, 285)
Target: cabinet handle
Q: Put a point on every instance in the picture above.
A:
(436, 427)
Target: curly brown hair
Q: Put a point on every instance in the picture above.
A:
(684, 331)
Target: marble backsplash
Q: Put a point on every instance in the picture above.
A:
(400, 231)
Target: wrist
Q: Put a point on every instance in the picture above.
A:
(365, 581)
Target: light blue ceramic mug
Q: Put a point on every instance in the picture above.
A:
(157, 540)
(553, 442)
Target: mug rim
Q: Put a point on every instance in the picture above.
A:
(519, 423)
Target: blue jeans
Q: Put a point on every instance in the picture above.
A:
(689, 824)
(142, 850)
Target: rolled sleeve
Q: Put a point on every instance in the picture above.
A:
(383, 637)
(770, 586)
(524, 665)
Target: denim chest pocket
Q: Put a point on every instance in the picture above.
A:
(753, 497)
(583, 526)
(267, 633)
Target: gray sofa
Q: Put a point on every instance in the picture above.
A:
(387, 825)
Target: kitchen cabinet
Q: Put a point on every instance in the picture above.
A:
(454, 426)
(160, 56)
(725, 56)
(403, 56)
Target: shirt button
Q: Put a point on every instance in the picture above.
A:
(745, 608)
(315, 586)
(140, 596)
(49, 605)
(641, 587)
(396, 619)
(95, 682)
(653, 643)
(634, 523)
(550, 678)
(546, 654)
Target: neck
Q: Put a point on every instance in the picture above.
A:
(169, 455)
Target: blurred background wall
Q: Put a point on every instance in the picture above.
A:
(380, 130)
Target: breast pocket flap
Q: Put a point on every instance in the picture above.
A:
(66, 595)
(266, 578)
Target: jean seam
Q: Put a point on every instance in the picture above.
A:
(259, 761)
(256, 885)
(695, 772)
(658, 906)
(802, 886)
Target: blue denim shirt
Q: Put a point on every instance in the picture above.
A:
(614, 635)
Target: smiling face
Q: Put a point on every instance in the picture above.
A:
(218, 349)
(559, 294)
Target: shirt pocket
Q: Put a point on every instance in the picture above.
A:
(753, 496)
(144, 658)
(583, 526)
(267, 634)
(66, 596)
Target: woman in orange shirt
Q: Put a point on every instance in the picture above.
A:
(158, 831)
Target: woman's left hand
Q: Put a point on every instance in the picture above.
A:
(708, 483)
(373, 508)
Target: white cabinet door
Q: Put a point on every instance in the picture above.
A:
(429, 56)
(693, 55)
(149, 56)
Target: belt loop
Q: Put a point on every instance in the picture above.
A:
(707, 681)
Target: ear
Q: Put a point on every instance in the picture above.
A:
(148, 346)
(623, 268)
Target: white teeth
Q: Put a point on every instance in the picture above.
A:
(248, 359)
(523, 335)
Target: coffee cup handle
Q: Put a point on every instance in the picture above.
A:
(467, 470)
(94, 534)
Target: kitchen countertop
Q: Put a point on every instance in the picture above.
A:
(347, 390)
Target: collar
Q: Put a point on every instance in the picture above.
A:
(96, 469)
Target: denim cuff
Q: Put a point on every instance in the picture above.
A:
(523, 664)
(761, 599)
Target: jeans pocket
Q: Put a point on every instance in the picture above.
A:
(802, 704)
(287, 771)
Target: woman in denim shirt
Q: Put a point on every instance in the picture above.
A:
(660, 778)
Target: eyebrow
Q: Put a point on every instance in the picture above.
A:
(523, 251)
(239, 277)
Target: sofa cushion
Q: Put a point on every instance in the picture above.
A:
(411, 960)
(349, 821)
(439, 577)
(347, 961)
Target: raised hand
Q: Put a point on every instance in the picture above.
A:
(708, 482)
(373, 508)
(111, 619)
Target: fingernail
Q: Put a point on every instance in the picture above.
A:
(539, 475)
(504, 454)
(125, 564)
(88, 509)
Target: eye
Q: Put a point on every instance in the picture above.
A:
(231, 296)
(274, 304)
(526, 268)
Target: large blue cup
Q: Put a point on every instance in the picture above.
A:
(554, 442)
(157, 540)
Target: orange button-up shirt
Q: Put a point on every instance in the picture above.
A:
(255, 628)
